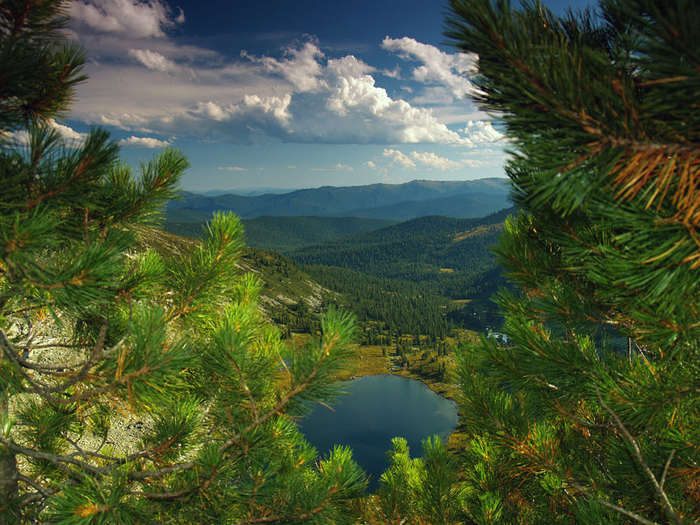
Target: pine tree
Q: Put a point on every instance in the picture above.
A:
(97, 332)
(422, 490)
(590, 413)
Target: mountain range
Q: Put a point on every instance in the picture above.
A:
(463, 199)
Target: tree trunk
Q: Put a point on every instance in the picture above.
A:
(8, 485)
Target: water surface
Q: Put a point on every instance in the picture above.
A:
(376, 409)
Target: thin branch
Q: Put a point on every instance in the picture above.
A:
(86, 224)
(241, 380)
(41, 388)
(145, 474)
(46, 493)
(32, 497)
(287, 519)
(44, 390)
(48, 345)
(583, 421)
(115, 461)
(638, 454)
(612, 506)
(56, 459)
(668, 463)
(164, 495)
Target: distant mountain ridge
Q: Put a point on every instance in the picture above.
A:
(473, 198)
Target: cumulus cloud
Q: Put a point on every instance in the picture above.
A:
(134, 18)
(73, 138)
(16, 137)
(399, 158)
(432, 160)
(300, 66)
(481, 132)
(143, 142)
(330, 101)
(67, 132)
(300, 96)
(429, 160)
(440, 68)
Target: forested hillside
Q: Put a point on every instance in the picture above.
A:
(448, 253)
(279, 233)
(424, 276)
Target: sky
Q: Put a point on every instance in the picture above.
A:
(284, 94)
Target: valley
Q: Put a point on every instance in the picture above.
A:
(411, 284)
(418, 287)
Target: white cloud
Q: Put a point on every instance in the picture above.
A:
(393, 73)
(371, 165)
(438, 67)
(231, 168)
(477, 163)
(67, 132)
(433, 161)
(136, 19)
(302, 96)
(143, 142)
(154, 60)
(430, 160)
(301, 67)
(482, 132)
(275, 107)
(213, 111)
(399, 158)
(73, 138)
(17, 137)
(348, 66)
(335, 101)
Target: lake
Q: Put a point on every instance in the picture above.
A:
(376, 409)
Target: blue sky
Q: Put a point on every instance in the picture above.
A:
(284, 94)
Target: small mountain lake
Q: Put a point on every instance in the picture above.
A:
(376, 409)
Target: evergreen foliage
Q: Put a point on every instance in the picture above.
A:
(96, 335)
(423, 490)
(589, 413)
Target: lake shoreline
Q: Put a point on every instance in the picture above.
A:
(370, 360)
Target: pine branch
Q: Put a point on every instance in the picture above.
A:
(287, 518)
(244, 386)
(616, 508)
(60, 461)
(43, 491)
(640, 459)
(668, 463)
(45, 389)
